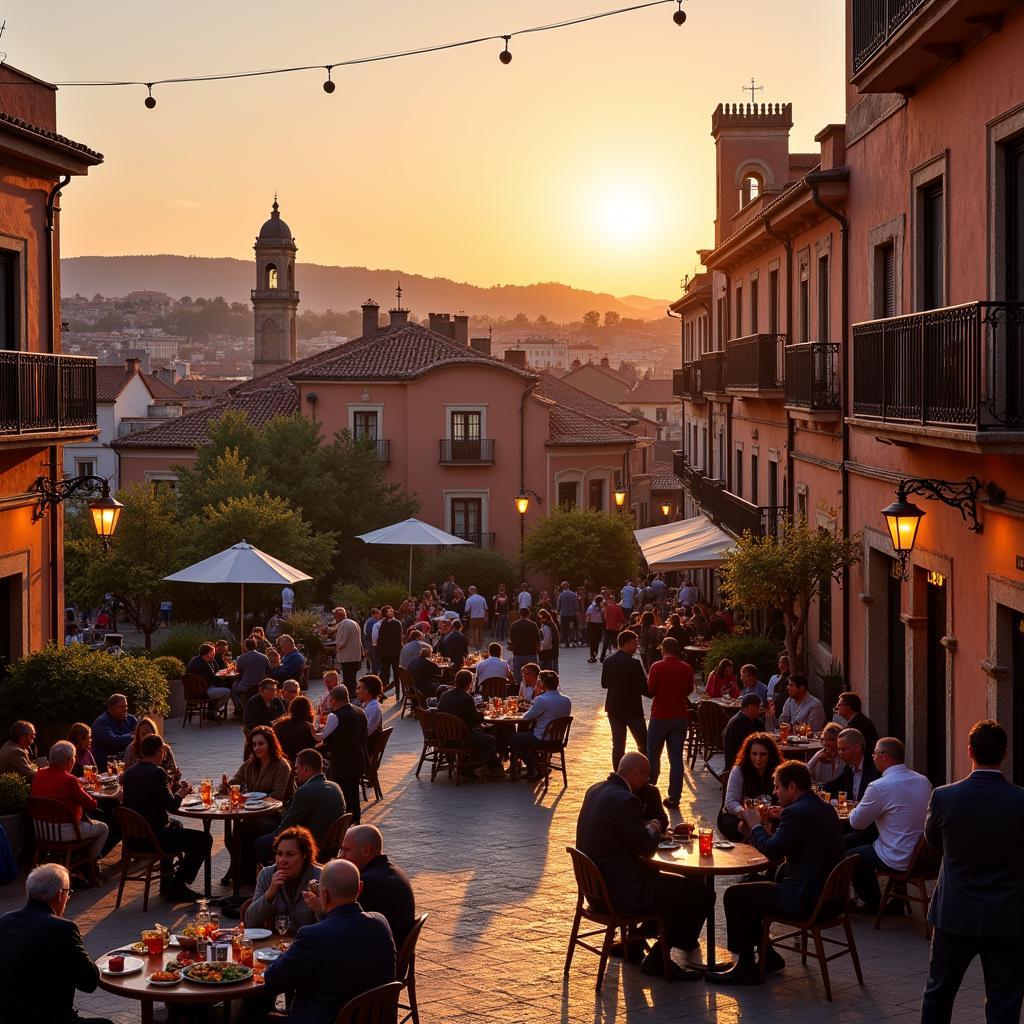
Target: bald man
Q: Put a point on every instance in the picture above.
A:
(386, 887)
(612, 832)
(347, 936)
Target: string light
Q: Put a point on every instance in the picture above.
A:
(329, 86)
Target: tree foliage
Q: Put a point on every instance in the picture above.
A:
(583, 545)
(784, 573)
(476, 567)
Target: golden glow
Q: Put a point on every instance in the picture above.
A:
(620, 496)
(666, 508)
(522, 503)
(106, 512)
(902, 518)
(623, 213)
(936, 579)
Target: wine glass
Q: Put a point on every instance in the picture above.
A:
(282, 922)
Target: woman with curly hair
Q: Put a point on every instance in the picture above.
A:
(752, 776)
(282, 887)
(147, 727)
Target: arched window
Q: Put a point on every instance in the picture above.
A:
(750, 189)
(271, 276)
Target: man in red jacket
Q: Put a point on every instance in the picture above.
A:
(614, 623)
(670, 683)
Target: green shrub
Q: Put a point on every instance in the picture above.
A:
(352, 598)
(302, 628)
(745, 650)
(388, 592)
(14, 789)
(476, 567)
(172, 668)
(72, 684)
(182, 641)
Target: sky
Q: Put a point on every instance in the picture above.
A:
(587, 160)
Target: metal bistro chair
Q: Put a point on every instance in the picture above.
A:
(924, 866)
(453, 747)
(594, 904)
(552, 756)
(139, 843)
(429, 753)
(834, 896)
(405, 970)
(375, 754)
(48, 820)
(378, 1006)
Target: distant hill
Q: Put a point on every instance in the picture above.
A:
(340, 288)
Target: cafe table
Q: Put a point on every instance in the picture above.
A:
(185, 993)
(799, 751)
(742, 859)
(231, 816)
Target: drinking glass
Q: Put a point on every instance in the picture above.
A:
(841, 799)
(206, 791)
(748, 803)
(282, 922)
(236, 795)
(154, 941)
(706, 837)
(244, 953)
(783, 731)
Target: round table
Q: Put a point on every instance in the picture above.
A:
(800, 751)
(742, 859)
(185, 993)
(207, 815)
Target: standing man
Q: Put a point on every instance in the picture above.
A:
(623, 677)
(345, 743)
(348, 646)
(628, 598)
(476, 611)
(524, 642)
(389, 648)
(524, 599)
(567, 606)
(978, 905)
(614, 623)
(370, 627)
(670, 683)
(287, 601)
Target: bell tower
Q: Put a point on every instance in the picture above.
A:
(274, 299)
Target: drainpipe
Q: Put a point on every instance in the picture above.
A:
(54, 468)
(522, 468)
(726, 334)
(787, 243)
(813, 181)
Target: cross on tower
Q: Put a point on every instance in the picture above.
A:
(753, 90)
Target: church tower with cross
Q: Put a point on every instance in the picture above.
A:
(275, 300)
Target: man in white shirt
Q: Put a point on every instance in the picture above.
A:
(476, 611)
(897, 805)
(413, 640)
(287, 600)
(524, 599)
(348, 646)
(493, 666)
(802, 706)
(546, 707)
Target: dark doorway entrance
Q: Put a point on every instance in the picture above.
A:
(1017, 691)
(936, 680)
(896, 652)
(7, 651)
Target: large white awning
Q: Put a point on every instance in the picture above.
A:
(689, 544)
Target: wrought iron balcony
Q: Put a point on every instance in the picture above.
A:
(712, 373)
(677, 383)
(44, 394)
(755, 363)
(679, 464)
(382, 448)
(693, 381)
(457, 452)
(480, 540)
(959, 368)
(730, 511)
(812, 376)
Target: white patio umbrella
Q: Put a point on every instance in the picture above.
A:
(241, 564)
(414, 533)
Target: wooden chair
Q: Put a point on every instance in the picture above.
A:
(375, 755)
(834, 897)
(429, 752)
(138, 842)
(556, 735)
(453, 746)
(709, 734)
(408, 691)
(405, 970)
(335, 833)
(197, 702)
(378, 1006)
(924, 866)
(494, 687)
(48, 820)
(304, 677)
(594, 904)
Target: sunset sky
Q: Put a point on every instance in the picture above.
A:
(587, 160)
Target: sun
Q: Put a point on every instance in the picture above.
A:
(622, 213)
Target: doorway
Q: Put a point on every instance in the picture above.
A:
(1017, 697)
(896, 655)
(935, 604)
(10, 641)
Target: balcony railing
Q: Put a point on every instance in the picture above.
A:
(677, 383)
(712, 371)
(381, 448)
(456, 451)
(755, 362)
(480, 540)
(874, 22)
(961, 367)
(693, 381)
(729, 510)
(42, 393)
(812, 376)
(679, 464)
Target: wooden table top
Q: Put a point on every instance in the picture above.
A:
(215, 812)
(742, 859)
(789, 749)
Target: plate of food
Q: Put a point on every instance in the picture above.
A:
(258, 933)
(164, 979)
(118, 966)
(222, 973)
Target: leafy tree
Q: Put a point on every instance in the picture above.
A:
(784, 573)
(476, 567)
(226, 477)
(584, 545)
(591, 319)
(611, 318)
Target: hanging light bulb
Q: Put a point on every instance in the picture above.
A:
(680, 16)
(150, 99)
(329, 86)
(505, 57)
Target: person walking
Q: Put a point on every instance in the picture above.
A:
(568, 605)
(978, 905)
(524, 641)
(670, 683)
(476, 611)
(595, 626)
(389, 648)
(623, 677)
(614, 623)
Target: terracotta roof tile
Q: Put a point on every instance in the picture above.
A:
(28, 128)
(160, 391)
(663, 479)
(110, 382)
(566, 394)
(571, 427)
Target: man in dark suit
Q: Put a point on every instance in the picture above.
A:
(746, 721)
(147, 791)
(622, 675)
(389, 647)
(808, 836)
(454, 645)
(612, 832)
(859, 770)
(848, 708)
(386, 887)
(263, 707)
(426, 676)
(44, 962)
(344, 742)
(457, 701)
(978, 905)
(316, 804)
(346, 935)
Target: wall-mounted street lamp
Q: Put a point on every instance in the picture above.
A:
(903, 517)
(522, 500)
(105, 510)
(666, 508)
(620, 495)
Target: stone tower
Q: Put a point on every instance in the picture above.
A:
(274, 299)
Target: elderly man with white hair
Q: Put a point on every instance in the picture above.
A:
(347, 936)
(386, 887)
(348, 646)
(44, 961)
(426, 676)
(55, 782)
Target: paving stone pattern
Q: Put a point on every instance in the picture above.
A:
(488, 862)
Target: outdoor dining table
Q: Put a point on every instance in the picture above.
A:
(694, 654)
(741, 859)
(185, 993)
(230, 816)
(799, 751)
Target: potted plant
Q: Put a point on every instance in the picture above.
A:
(14, 790)
(304, 629)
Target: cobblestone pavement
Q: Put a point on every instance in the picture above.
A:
(488, 862)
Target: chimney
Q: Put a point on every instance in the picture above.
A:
(515, 357)
(399, 317)
(371, 321)
(576, 364)
(132, 364)
(441, 323)
(461, 335)
(481, 345)
(604, 361)
(832, 139)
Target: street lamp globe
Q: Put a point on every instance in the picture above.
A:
(665, 509)
(902, 518)
(106, 512)
(620, 496)
(522, 503)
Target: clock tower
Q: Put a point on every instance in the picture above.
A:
(274, 299)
